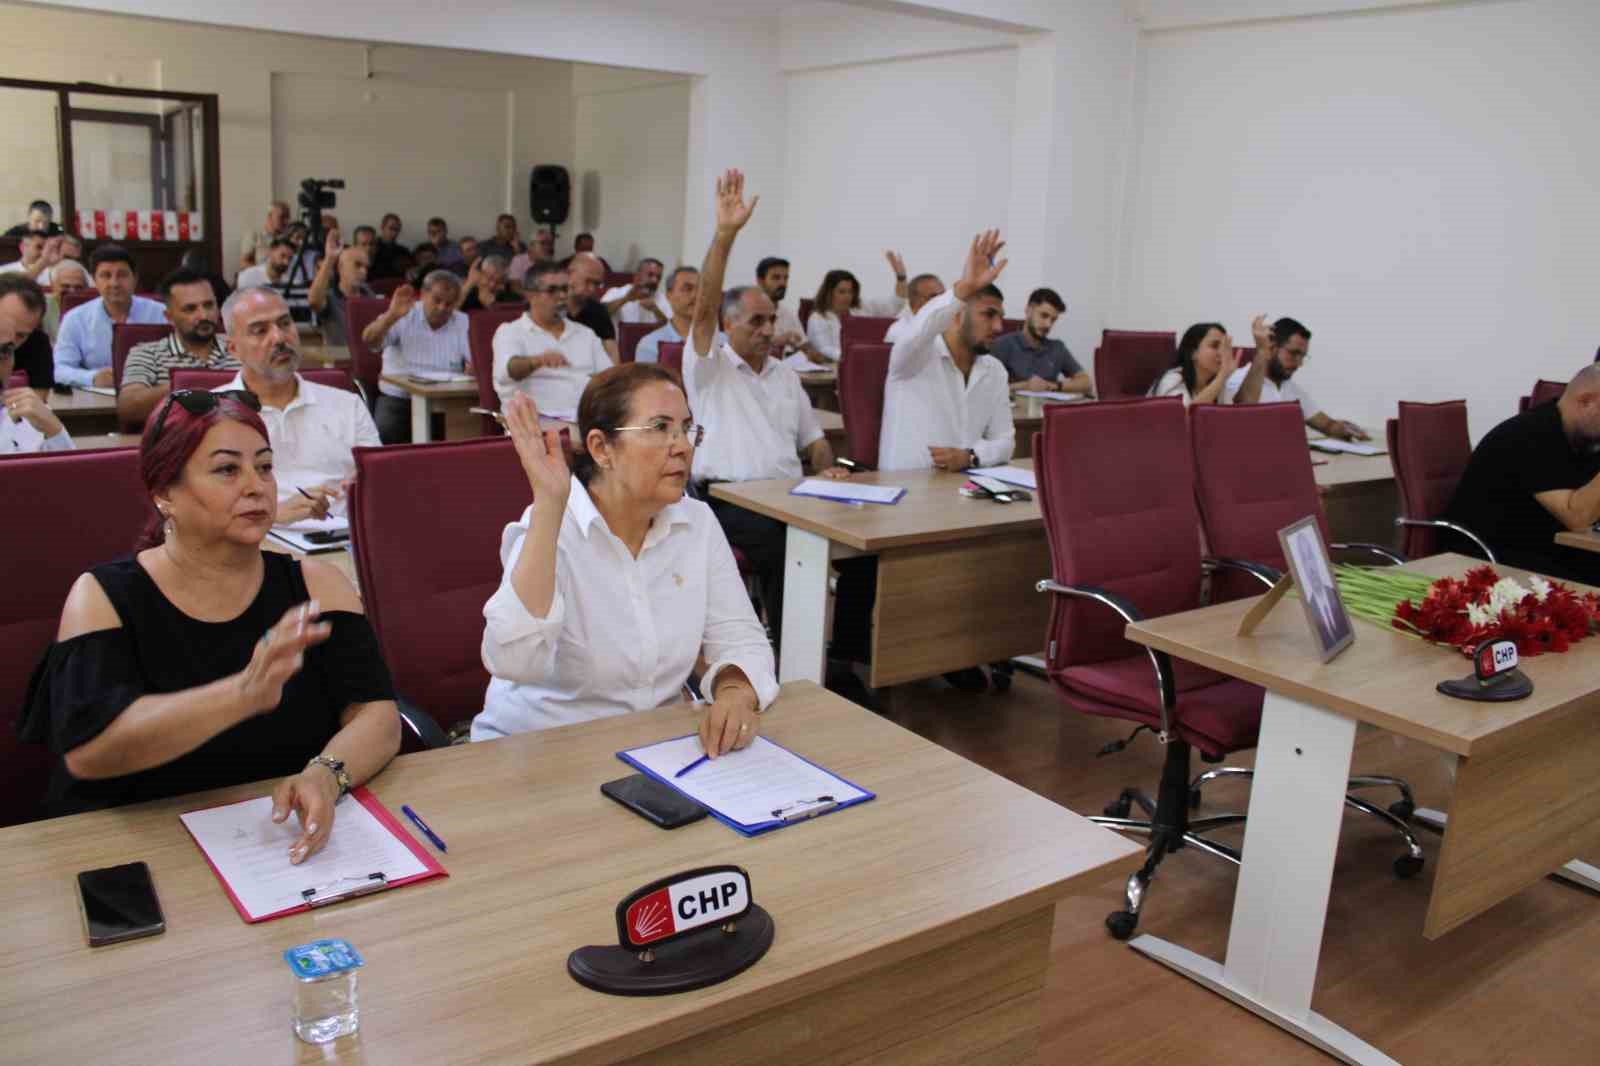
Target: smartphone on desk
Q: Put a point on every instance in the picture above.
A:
(119, 903)
(328, 536)
(653, 801)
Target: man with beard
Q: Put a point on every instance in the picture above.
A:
(1294, 351)
(313, 429)
(1035, 360)
(1533, 476)
(192, 344)
(757, 416)
(390, 258)
(416, 334)
(788, 335)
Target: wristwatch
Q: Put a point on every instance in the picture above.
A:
(972, 457)
(336, 767)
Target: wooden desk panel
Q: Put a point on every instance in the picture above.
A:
(1359, 496)
(1588, 540)
(822, 386)
(83, 412)
(902, 937)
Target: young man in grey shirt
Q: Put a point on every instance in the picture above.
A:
(1034, 361)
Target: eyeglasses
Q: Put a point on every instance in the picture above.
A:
(664, 431)
(201, 401)
(553, 290)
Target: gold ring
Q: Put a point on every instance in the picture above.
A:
(744, 728)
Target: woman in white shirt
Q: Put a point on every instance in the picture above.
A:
(837, 296)
(1206, 359)
(615, 582)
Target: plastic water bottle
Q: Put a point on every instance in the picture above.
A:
(326, 997)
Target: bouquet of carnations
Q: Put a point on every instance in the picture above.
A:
(1541, 616)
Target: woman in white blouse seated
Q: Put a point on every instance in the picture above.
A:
(615, 582)
(1205, 359)
(837, 296)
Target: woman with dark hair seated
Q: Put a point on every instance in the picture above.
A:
(202, 661)
(1205, 359)
(615, 583)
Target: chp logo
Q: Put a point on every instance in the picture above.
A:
(667, 909)
(1493, 658)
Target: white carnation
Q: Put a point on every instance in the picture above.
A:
(1506, 593)
(1541, 587)
(1480, 615)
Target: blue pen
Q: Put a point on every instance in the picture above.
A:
(691, 766)
(429, 833)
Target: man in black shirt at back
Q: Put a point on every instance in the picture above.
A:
(587, 276)
(1532, 477)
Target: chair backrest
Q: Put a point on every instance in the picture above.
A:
(1544, 391)
(1243, 357)
(481, 328)
(1252, 476)
(1429, 448)
(426, 572)
(1128, 362)
(1116, 486)
(127, 335)
(1011, 325)
(385, 286)
(670, 355)
(863, 329)
(17, 380)
(51, 489)
(863, 373)
(629, 334)
(366, 365)
(615, 279)
(806, 304)
(76, 298)
(334, 377)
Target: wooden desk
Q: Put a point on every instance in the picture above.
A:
(955, 576)
(1524, 799)
(327, 354)
(823, 388)
(912, 929)
(1359, 497)
(429, 396)
(1588, 540)
(106, 440)
(341, 560)
(83, 412)
(832, 423)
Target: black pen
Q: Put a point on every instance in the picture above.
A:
(306, 494)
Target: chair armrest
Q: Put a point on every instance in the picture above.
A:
(1394, 557)
(1166, 681)
(1439, 523)
(1267, 575)
(421, 724)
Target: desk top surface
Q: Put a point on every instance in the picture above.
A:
(1588, 540)
(442, 390)
(931, 512)
(471, 968)
(81, 401)
(1385, 678)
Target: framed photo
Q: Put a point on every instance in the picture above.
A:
(1312, 570)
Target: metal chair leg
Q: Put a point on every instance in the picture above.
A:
(1404, 807)
(1407, 865)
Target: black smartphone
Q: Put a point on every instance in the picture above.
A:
(328, 536)
(653, 801)
(119, 903)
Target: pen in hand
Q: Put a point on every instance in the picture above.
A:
(691, 766)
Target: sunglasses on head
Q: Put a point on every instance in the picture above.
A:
(202, 401)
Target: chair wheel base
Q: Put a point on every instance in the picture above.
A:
(1121, 924)
(1407, 866)
(1120, 807)
(1194, 799)
(1403, 809)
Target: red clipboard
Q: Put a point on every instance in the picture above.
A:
(373, 805)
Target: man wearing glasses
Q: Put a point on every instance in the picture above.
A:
(544, 353)
(28, 424)
(757, 415)
(1293, 352)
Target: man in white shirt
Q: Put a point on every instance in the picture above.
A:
(312, 428)
(416, 335)
(641, 301)
(946, 403)
(28, 424)
(30, 256)
(1293, 351)
(788, 334)
(544, 353)
(757, 415)
(919, 290)
(275, 271)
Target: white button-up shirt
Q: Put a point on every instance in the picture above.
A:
(20, 438)
(900, 327)
(412, 344)
(633, 311)
(622, 634)
(555, 389)
(312, 439)
(1271, 392)
(756, 424)
(927, 403)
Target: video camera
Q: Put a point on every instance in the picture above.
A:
(315, 196)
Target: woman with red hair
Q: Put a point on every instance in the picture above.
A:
(200, 660)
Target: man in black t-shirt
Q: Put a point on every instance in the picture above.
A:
(587, 277)
(1533, 476)
(22, 301)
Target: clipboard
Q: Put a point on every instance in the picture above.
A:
(319, 891)
(784, 812)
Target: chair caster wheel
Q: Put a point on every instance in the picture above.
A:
(1119, 808)
(1121, 924)
(1407, 866)
(1402, 810)
(1194, 799)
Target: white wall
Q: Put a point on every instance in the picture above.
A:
(1417, 186)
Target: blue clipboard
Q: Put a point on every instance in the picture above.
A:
(757, 828)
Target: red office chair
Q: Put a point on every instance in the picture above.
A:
(1011, 325)
(616, 279)
(76, 298)
(366, 365)
(51, 488)
(863, 374)
(863, 329)
(670, 355)
(385, 286)
(1128, 362)
(125, 336)
(1252, 478)
(1117, 492)
(1243, 357)
(1429, 448)
(333, 377)
(481, 328)
(1544, 391)
(427, 572)
(806, 304)
(629, 334)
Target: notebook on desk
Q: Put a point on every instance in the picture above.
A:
(331, 534)
(848, 491)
